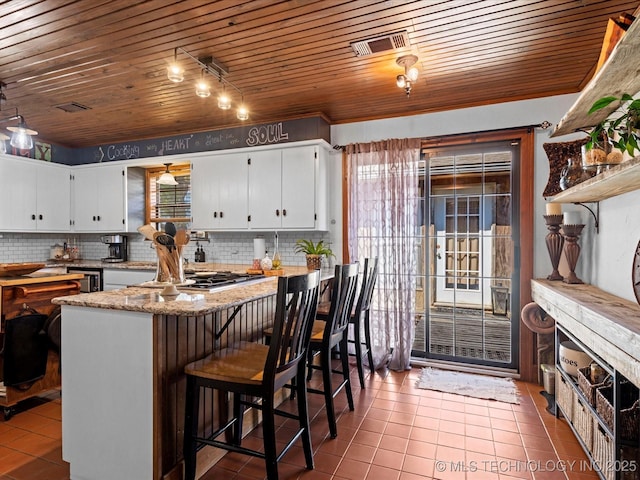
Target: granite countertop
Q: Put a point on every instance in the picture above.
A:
(188, 302)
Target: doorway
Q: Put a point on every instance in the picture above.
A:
(467, 287)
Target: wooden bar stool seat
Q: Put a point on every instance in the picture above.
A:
(252, 373)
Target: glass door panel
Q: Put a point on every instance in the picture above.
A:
(463, 288)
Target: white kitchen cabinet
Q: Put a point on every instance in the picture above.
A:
(35, 195)
(219, 192)
(287, 189)
(99, 194)
(116, 278)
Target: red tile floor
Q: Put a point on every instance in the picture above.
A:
(397, 432)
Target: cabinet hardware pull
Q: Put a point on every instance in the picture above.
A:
(215, 214)
(94, 218)
(98, 217)
(277, 213)
(221, 214)
(284, 212)
(33, 217)
(24, 291)
(40, 217)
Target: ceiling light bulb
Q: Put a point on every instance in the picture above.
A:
(412, 74)
(224, 102)
(202, 89)
(401, 81)
(175, 73)
(242, 113)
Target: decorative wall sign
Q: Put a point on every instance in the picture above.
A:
(42, 151)
(312, 128)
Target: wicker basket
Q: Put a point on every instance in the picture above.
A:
(588, 388)
(602, 451)
(629, 410)
(582, 420)
(564, 394)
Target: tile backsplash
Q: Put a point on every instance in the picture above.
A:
(228, 247)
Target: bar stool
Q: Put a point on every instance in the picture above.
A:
(360, 317)
(331, 332)
(256, 370)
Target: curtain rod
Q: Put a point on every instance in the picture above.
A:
(543, 126)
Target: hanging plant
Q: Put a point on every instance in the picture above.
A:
(620, 129)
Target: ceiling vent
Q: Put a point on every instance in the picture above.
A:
(72, 107)
(392, 41)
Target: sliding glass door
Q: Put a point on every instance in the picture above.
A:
(465, 288)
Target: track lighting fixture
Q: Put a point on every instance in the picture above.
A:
(202, 87)
(410, 72)
(175, 73)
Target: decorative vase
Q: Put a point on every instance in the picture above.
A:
(572, 250)
(573, 173)
(314, 262)
(555, 242)
(170, 268)
(266, 263)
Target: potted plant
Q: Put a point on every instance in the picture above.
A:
(313, 251)
(619, 131)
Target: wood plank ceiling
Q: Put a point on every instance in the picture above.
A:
(289, 58)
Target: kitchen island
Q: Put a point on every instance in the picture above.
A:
(124, 353)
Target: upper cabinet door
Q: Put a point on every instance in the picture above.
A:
(299, 187)
(265, 186)
(219, 192)
(99, 199)
(282, 188)
(233, 197)
(34, 195)
(54, 198)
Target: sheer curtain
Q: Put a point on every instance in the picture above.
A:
(382, 179)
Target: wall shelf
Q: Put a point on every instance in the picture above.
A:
(617, 180)
(617, 76)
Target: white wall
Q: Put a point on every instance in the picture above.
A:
(606, 257)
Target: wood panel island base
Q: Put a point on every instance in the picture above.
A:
(123, 384)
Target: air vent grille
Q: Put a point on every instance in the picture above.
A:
(392, 41)
(72, 107)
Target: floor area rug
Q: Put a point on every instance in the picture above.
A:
(469, 384)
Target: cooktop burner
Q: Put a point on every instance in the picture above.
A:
(217, 279)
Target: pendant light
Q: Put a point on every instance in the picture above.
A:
(21, 134)
(166, 178)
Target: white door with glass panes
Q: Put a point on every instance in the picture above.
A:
(463, 232)
(219, 195)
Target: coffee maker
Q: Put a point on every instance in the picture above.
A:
(117, 248)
